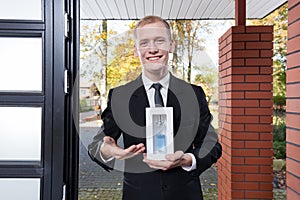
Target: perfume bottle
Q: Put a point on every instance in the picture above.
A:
(160, 134)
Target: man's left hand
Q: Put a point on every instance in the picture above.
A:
(172, 160)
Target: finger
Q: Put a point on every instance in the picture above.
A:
(131, 152)
(164, 165)
(132, 148)
(124, 155)
(135, 153)
(158, 163)
(108, 140)
(140, 145)
(155, 167)
(171, 157)
(119, 152)
(153, 163)
(175, 156)
(141, 150)
(178, 155)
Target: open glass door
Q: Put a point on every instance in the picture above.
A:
(32, 100)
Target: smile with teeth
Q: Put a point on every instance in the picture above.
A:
(154, 58)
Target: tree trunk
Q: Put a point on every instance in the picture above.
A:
(103, 82)
(175, 62)
(189, 79)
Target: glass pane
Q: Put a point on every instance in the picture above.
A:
(20, 133)
(20, 188)
(94, 182)
(20, 64)
(20, 9)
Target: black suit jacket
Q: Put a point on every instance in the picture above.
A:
(191, 122)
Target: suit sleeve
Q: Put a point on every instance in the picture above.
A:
(206, 148)
(109, 128)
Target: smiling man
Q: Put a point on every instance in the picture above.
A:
(153, 44)
(177, 176)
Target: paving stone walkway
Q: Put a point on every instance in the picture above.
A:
(96, 183)
(116, 194)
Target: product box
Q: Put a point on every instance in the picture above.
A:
(159, 132)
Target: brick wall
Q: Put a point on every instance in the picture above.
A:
(245, 110)
(293, 101)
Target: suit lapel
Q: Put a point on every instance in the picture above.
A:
(139, 101)
(137, 104)
(172, 101)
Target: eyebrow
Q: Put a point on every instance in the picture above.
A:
(155, 38)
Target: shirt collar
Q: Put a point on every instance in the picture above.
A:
(148, 83)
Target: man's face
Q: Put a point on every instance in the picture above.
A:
(153, 45)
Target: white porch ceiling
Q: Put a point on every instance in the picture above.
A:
(173, 9)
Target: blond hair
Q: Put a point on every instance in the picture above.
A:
(150, 20)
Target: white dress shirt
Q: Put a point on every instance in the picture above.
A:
(150, 90)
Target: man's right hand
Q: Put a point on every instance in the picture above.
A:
(109, 149)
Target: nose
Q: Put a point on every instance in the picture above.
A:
(152, 47)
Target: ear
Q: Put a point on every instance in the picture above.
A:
(136, 54)
(172, 46)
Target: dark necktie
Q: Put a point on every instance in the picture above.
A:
(158, 100)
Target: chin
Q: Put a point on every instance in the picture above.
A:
(155, 66)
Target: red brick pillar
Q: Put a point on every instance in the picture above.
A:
(293, 102)
(245, 113)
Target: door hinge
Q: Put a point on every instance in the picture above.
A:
(66, 82)
(64, 192)
(67, 25)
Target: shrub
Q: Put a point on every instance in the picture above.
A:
(279, 133)
(279, 143)
(279, 149)
(279, 100)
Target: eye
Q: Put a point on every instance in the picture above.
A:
(160, 41)
(143, 43)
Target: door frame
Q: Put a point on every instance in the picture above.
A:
(72, 46)
(52, 99)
